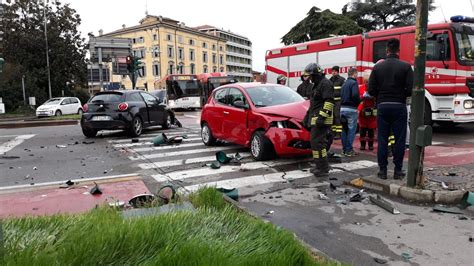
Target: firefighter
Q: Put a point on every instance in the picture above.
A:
(336, 129)
(367, 115)
(281, 80)
(321, 111)
(304, 89)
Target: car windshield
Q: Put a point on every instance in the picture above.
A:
(263, 96)
(465, 43)
(107, 98)
(160, 94)
(52, 101)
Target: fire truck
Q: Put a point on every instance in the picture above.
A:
(449, 80)
(210, 81)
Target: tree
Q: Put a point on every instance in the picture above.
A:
(24, 50)
(377, 15)
(320, 24)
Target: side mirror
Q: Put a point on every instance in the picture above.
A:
(240, 104)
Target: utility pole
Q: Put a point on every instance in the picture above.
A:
(23, 86)
(47, 49)
(420, 135)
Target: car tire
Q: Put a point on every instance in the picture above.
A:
(206, 135)
(80, 112)
(89, 133)
(136, 127)
(58, 113)
(167, 123)
(261, 147)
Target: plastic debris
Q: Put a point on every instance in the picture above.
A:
(141, 200)
(357, 197)
(214, 165)
(117, 204)
(135, 140)
(88, 142)
(358, 182)
(323, 197)
(341, 200)
(163, 139)
(95, 190)
(61, 146)
(467, 199)
(166, 193)
(380, 261)
(35, 168)
(443, 184)
(379, 201)
(463, 218)
(406, 256)
(453, 210)
(270, 212)
(232, 193)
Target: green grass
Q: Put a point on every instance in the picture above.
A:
(63, 117)
(217, 233)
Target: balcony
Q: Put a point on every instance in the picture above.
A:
(229, 63)
(243, 46)
(239, 55)
(240, 74)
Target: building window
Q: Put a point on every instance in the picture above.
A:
(133, 40)
(213, 47)
(222, 69)
(142, 71)
(156, 69)
(221, 59)
(192, 56)
(214, 69)
(204, 45)
(214, 58)
(142, 53)
(204, 69)
(169, 37)
(141, 40)
(171, 67)
(221, 48)
(193, 68)
(155, 37)
(156, 51)
(170, 51)
(180, 53)
(204, 57)
(181, 68)
(191, 42)
(180, 39)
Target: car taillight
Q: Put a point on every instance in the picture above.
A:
(85, 108)
(123, 107)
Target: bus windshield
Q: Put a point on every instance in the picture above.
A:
(465, 45)
(183, 88)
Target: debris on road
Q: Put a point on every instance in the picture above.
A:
(467, 199)
(9, 157)
(270, 212)
(358, 182)
(379, 201)
(95, 190)
(166, 193)
(232, 193)
(214, 165)
(357, 197)
(135, 140)
(341, 200)
(444, 186)
(406, 256)
(223, 158)
(453, 210)
(163, 139)
(117, 204)
(61, 146)
(323, 197)
(35, 168)
(88, 142)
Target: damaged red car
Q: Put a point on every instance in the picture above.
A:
(265, 117)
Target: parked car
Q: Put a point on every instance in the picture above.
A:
(128, 110)
(59, 106)
(265, 117)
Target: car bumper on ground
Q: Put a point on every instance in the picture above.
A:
(289, 141)
(106, 121)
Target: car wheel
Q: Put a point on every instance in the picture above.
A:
(80, 112)
(261, 147)
(136, 127)
(167, 123)
(206, 135)
(89, 133)
(58, 113)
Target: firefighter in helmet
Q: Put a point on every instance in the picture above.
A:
(281, 80)
(336, 129)
(321, 111)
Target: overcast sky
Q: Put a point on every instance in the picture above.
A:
(263, 22)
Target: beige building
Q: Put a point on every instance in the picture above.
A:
(166, 46)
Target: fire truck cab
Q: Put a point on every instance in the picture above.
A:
(449, 73)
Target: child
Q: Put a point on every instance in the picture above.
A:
(367, 115)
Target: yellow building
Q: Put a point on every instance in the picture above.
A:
(166, 46)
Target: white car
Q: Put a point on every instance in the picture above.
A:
(59, 106)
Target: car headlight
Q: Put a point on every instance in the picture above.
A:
(467, 104)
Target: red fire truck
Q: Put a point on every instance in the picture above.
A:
(210, 81)
(449, 67)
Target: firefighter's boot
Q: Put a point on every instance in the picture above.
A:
(321, 169)
(371, 144)
(362, 145)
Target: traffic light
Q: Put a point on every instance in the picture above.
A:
(129, 59)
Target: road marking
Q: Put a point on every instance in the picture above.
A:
(161, 148)
(437, 143)
(184, 162)
(128, 145)
(192, 116)
(178, 153)
(186, 174)
(277, 177)
(150, 138)
(7, 146)
(9, 136)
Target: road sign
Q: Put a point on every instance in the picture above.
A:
(108, 48)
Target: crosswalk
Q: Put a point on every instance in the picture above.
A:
(187, 163)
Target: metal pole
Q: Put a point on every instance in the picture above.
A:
(47, 51)
(101, 78)
(415, 163)
(23, 86)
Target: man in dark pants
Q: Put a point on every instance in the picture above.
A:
(336, 129)
(321, 117)
(391, 82)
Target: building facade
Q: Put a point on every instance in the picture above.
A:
(166, 46)
(239, 52)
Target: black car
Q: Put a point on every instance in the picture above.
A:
(128, 110)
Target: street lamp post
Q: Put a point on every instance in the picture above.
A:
(47, 49)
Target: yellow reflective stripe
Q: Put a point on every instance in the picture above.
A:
(323, 114)
(328, 106)
(316, 154)
(337, 98)
(324, 153)
(313, 120)
(337, 87)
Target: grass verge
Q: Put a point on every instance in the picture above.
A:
(215, 234)
(63, 117)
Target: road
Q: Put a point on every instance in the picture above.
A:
(280, 190)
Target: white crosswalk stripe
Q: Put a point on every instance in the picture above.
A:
(180, 153)
(128, 145)
(205, 159)
(152, 137)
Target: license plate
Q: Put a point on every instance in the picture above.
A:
(101, 118)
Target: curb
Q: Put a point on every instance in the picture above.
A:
(39, 123)
(413, 194)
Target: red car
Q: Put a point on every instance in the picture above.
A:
(265, 117)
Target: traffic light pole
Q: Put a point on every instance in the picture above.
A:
(415, 160)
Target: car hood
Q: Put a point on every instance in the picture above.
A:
(293, 110)
(47, 107)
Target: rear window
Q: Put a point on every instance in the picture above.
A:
(107, 98)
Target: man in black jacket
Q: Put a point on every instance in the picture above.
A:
(304, 89)
(391, 82)
(349, 102)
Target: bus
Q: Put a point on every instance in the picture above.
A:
(210, 81)
(182, 91)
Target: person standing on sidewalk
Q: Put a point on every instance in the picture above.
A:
(320, 114)
(304, 89)
(367, 115)
(336, 129)
(350, 100)
(391, 82)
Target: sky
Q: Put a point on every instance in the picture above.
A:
(263, 22)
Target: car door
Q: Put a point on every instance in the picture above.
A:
(216, 112)
(234, 124)
(65, 106)
(155, 115)
(75, 105)
(136, 102)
